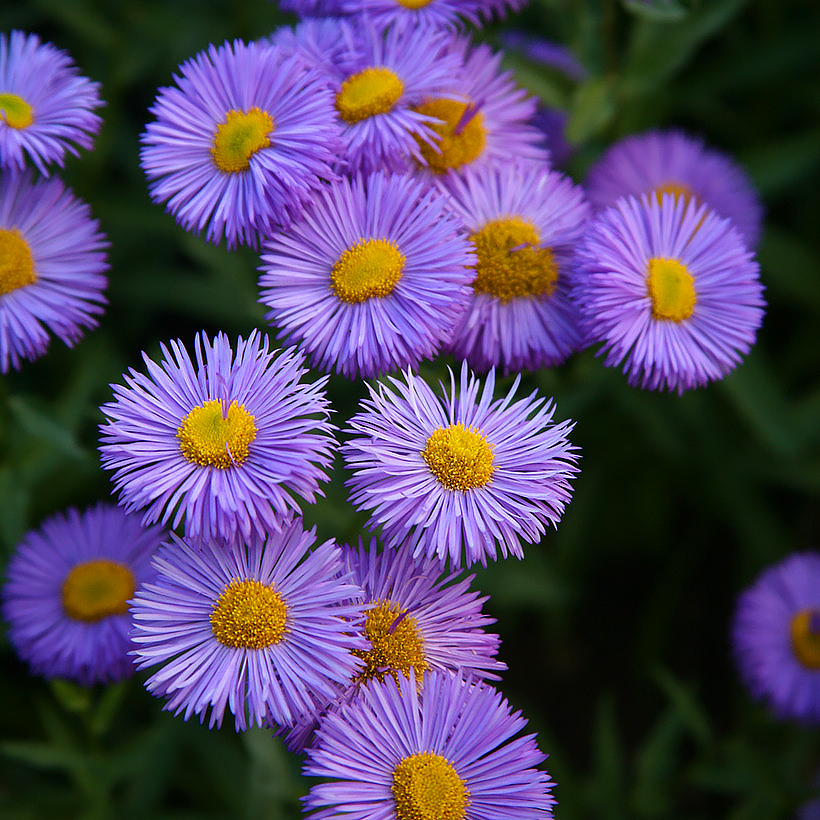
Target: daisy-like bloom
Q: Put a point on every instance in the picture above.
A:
(672, 162)
(318, 41)
(264, 628)
(776, 637)
(524, 221)
(449, 752)
(440, 13)
(66, 597)
(244, 138)
(46, 105)
(52, 267)
(372, 277)
(459, 474)
(483, 118)
(223, 442)
(670, 289)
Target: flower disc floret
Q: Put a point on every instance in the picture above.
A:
(210, 437)
(368, 92)
(370, 269)
(427, 787)
(16, 263)
(15, 111)
(96, 589)
(459, 457)
(805, 629)
(249, 615)
(460, 134)
(671, 289)
(239, 137)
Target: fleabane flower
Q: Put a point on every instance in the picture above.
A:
(69, 583)
(524, 222)
(776, 637)
(451, 14)
(372, 277)
(223, 443)
(261, 628)
(673, 162)
(670, 289)
(46, 105)
(460, 475)
(450, 749)
(245, 136)
(52, 267)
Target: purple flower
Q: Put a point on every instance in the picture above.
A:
(46, 105)
(242, 140)
(52, 265)
(776, 637)
(670, 289)
(371, 278)
(66, 597)
(224, 443)
(262, 628)
(310, 8)
(673, 162)
(461, 473)
(450, 751)
(440, 13)
(524, 221)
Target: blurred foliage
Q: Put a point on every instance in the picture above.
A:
(615, 627)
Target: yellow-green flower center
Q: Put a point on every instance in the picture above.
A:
(372, 267)
(16, 262)
(397, 644)
(210, 439)
(369, 92)
(249, 615)
(510, 265)
(805, 630)
(96, 589)
(461, 134)
(671, 288)
(459, 457)
(427, 787)
(238, 138)
(15, 111)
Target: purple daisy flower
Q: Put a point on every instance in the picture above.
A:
(776, 637)
(450, 751)
(263, 628)
(243, 139)
(224, 443)
(317, 41)
(461, 473)
(46, 105)
(440, 13)
(371, 278)
(68, 588)
(670, 289)
(52, 267)
(524, 221)
(673, 162)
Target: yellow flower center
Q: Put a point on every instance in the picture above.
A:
(414, 4)
(461, 134)
(97, 589)
(397, 644)
(806, 637)
(372, 267)
(459, 457)
(369, 92)
(238, 138)
(676, 189)
(671, 289)
(15, 111)
(210, 439)
(249, 615)
(427, 787)
(16, 262)
(510, 264)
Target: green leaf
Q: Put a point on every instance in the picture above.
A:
(593, 108)
(685, 705)
(44, 427)
(663, 11)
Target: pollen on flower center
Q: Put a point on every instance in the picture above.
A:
(427, 787)
(209, 438)
(397, 644)
(249, 615)
(96, 589)
(459, 457)
(238, 138)
(461, 134)
(16, 262)
(15, 111)
(510, 264)
(367, 93)
(805, 629)
(671, 289)
(372, 267)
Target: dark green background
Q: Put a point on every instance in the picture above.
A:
(615, 627)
